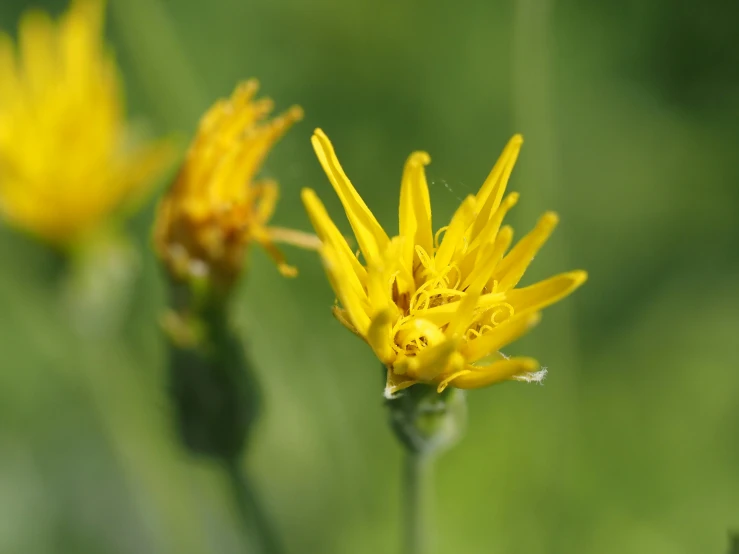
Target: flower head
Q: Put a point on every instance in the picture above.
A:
(66, 157)
(436, 308)
(216, 208)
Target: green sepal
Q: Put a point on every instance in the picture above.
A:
(426, 421)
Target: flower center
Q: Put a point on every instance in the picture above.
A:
(416, 330)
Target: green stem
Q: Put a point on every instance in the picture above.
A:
(251, 512)
(416, 502)
(426, 423)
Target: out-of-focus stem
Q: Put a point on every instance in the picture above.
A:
(532, 98)
(416, 502)
(426, 423)
(251, 510)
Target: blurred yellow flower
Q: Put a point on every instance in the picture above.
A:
(66, 158)
(215, 208)
(436, 308)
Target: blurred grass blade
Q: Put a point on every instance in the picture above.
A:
(167, 76)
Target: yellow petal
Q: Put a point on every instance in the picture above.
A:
(429, 363)
(502, 243)
(487, 260)
(474, 302)
(330, 234)
(405, 365)
(371, 237)
(454, 235)
(354, 302)
(378, 289)
(455, 367)
(514, 265)
(415, 208)
(81, 47)
(282, 235)
(398, 275)
(481, 272)
(379, 337)
(262, 237)
(544, 293)
(343, 318)
(499, 336)
(396, 383)
(494, 373)
(247, 143)
(489, 232)
(442, 315)
(462, 316)
(266, 194)
(420, 327)
(36, 36)
(432, 361)
(445, 383)
(492, 190)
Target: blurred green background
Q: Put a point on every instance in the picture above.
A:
(631, 121)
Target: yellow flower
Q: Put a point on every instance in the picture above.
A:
(215, 208)
(66, 159)
(436, 308)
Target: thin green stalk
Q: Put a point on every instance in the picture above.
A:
(426, 423)
(534, 115)
(251, 511)
(416, 502)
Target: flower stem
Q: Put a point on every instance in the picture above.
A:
(416, 502)
(251, 512)
(426, 423)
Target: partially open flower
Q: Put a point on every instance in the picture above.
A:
(67, 159)
(437, 308)
(216, 208)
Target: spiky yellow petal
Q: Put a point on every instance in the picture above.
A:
(370, 235)
(454, 236)
(492, 190)
(379, 337)
(415, 209)
(515, 263)
(331, 236)
(355, 303)
(545, 293)
(495, 373)
(498, 337)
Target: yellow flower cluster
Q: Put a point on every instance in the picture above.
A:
(437, 307)
(67, 159)
(216, 208)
